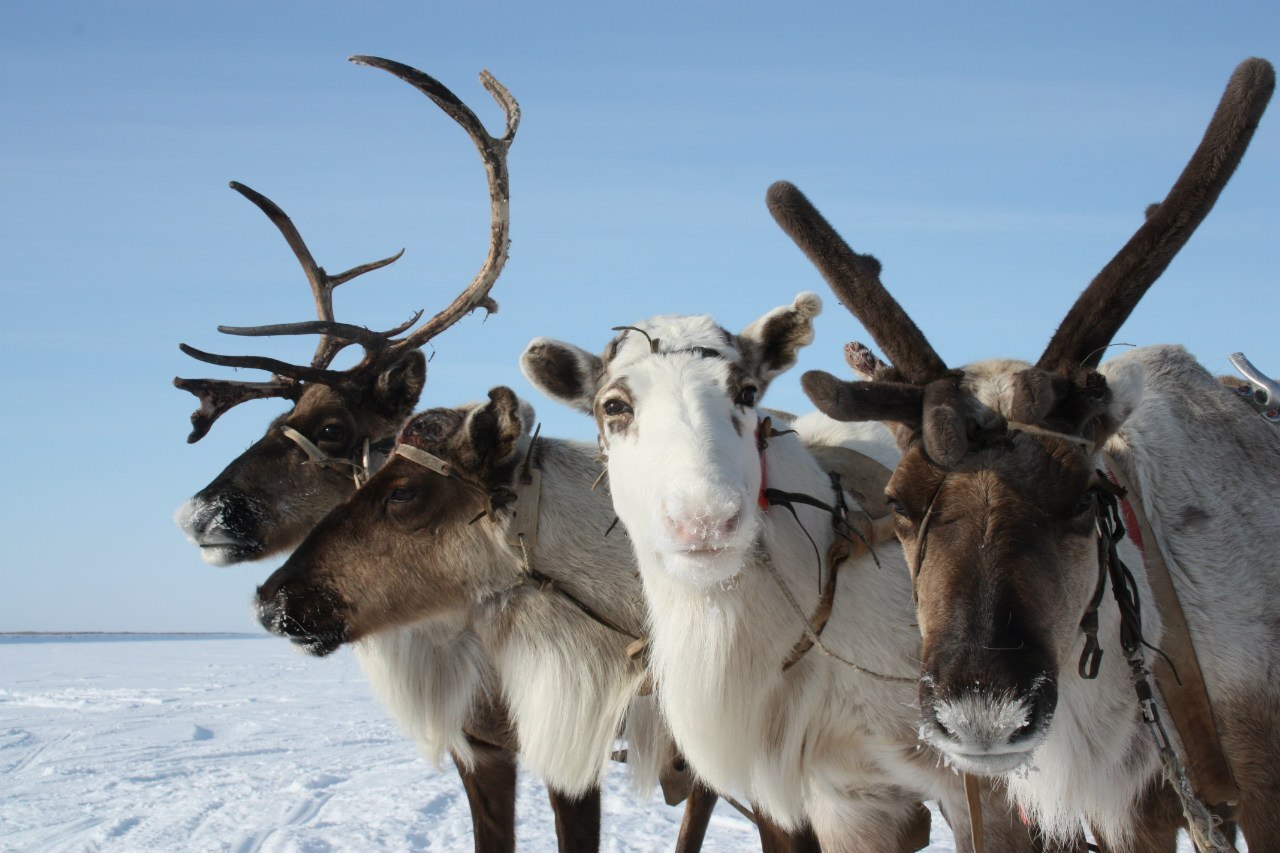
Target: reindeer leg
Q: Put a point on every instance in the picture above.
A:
(577, 820)
(697, 814)
(491, 793)
(775, 839)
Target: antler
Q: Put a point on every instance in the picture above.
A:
(322, 284)
(855, 279)
(1109, 299)
(381, 348)
(218, 396)
(493, 151)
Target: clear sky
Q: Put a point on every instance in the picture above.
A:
(994, 160)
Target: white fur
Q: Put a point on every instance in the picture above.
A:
(566, 679)
(821, 741)
(430, 677)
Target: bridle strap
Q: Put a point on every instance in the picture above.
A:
(425, 459)
(522, 531)
(1186, 697)
(973, 799)
(1078, 440)
(922, 538)
(843, 547)
(360, 470)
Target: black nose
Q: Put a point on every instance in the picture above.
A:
(1042, 698)
(302, 614)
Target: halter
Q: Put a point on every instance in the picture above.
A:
(361, 465)
(851, 540)
(522, 530)
(1193, 712)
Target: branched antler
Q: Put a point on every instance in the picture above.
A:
(381, 348)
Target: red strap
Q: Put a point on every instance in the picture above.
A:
(1130, 518)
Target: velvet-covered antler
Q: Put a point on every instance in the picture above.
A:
(1063, 386)
(1109, 299)
(855, 279)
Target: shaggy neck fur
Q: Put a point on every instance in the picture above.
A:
(566, 679)
(430, 678)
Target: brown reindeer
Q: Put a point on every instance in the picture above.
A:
(1008, 528)
(307, 462)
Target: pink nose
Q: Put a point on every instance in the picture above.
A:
(699, 525)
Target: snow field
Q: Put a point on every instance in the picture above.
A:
(242, 744)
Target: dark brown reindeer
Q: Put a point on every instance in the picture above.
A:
(269, 498)
(1003, 517)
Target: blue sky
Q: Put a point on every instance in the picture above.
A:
(992, 159)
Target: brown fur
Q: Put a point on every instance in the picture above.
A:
(272, 494)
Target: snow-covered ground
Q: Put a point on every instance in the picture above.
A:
(242, 744)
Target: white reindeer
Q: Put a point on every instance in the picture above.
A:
(675, 401)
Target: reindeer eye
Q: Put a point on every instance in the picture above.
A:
(332, 432)
(747, 396)
(401, 496)
(613, 407)
(1085, 504)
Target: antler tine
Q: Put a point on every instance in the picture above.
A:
(855, 279)
(322, 284)
(218, 396)
(493, 152)
(1109, 299)
(369, 339)
(257, 362)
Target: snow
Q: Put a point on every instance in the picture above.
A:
(239, 743)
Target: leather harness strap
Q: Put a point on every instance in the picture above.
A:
(843, 548)
(973, 799)
(1186, 698)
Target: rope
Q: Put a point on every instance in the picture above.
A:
(816, 640)
(1202, 825)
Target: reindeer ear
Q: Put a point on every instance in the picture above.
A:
(1034, 395)
(563, 372)
(771, 343)
(396, 390)
(945, 438)
(495, 428)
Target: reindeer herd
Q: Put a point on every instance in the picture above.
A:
(920, 592)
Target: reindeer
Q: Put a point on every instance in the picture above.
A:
(1007, 519)
(825, 735)
(432, 677)
(438, 530)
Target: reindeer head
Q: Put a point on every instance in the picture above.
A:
(403, 549)
(996, 496)
(674, 400)
(267, 499)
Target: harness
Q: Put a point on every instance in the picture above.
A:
(1187, 700)
(360, 465)
(522, 504)
(853, 539)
